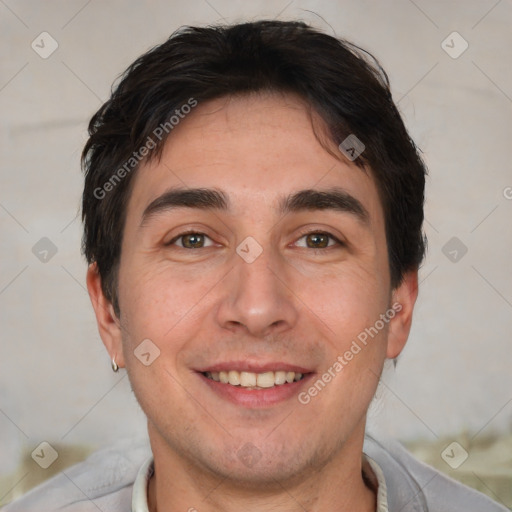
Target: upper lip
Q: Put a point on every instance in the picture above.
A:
(254, 367)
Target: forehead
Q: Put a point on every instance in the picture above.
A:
(256, 148)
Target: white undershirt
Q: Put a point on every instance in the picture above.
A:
(140, 486)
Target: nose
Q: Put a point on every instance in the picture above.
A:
(257, 298)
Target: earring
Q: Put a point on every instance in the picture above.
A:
(115, 368)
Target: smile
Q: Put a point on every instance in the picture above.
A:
(255, 380)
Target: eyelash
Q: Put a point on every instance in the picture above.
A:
(302, 235)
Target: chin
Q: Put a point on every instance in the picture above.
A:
(262, 463)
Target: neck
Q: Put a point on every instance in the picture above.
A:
(346, 483)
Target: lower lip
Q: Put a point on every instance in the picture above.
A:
(256, 397)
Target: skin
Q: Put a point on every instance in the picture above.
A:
(295, 303)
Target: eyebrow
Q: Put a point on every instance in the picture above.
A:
(335, 199)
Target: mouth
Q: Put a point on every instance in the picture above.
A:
(255, 381)
(255, 385)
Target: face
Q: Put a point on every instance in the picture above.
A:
(267, 277)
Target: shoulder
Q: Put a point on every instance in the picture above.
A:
(413, 486)
(104, 481)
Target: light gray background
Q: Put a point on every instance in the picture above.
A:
(454, 376)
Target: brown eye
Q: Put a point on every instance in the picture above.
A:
(191, 240)
(317, 240)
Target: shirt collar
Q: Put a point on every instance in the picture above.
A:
(140, 486)
(382, 490)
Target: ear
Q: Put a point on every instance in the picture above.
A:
(402, 302)
(109, 325)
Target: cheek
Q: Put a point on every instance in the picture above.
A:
(356, 336)
(158, 302)
(347, 301)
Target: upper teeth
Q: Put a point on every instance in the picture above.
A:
(251, 380)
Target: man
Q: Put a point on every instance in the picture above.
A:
(253, 211)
